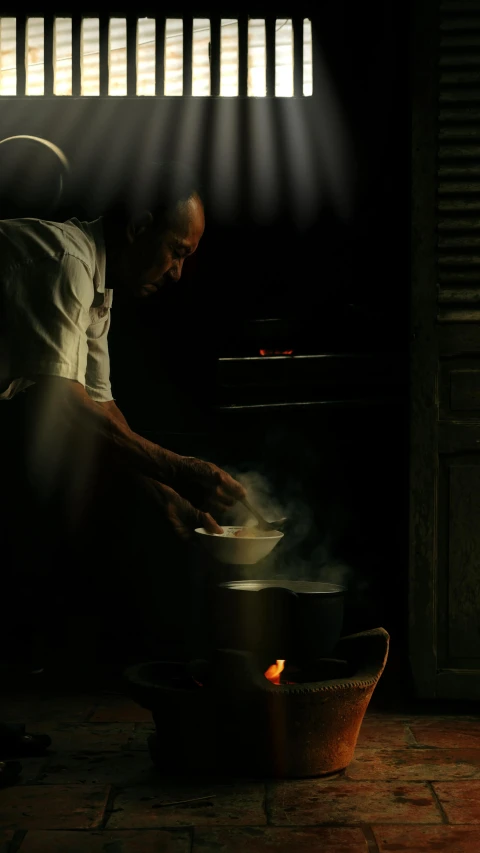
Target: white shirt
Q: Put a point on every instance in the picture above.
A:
(54, 308)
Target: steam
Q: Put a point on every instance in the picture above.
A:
(306, 552)
(260, 491)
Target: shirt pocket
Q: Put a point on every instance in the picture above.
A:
(99, 322)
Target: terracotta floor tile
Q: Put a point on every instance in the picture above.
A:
(5, 839)
(122, 769)
(345, 802)
(120, 709)
(32, 709)
(128, 841)
(104, 737)
(415, 764)
(258, 839)
(139, 739)
(387, 716)
(460, 800)
(32, 769)
(377, 734)
(101, 737)
(427, 839)
(454, 733)
(419, 717)
(52, 807)
(240, 804)
(428, 719)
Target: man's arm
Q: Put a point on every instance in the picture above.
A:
(112, 409)
(63, 414)
(63, 406)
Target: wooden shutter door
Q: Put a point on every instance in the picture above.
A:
(445, 350)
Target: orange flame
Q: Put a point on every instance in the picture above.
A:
(274, 671)
(276, 352)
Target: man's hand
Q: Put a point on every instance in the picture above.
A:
(206, 485)
(180, 514)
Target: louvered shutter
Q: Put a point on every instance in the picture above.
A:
(444, 589)
(458, 200)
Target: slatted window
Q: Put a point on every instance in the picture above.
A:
(8, 56)
(63, 57)
(458, 200)
(146, 33)
(156, 56)
(229, 58)
(284, 59)
(201, 57)
(174, 56)
(257, 66)
(89, 57)
(117, 57)
(35, 56)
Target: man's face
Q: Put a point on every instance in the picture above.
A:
(155, 254)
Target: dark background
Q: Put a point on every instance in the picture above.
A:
(339, 284)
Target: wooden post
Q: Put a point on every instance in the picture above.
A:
(297, 24)
(270, 55)
(76, 55)
(104, 55)
(187, 56)
(48, 54)
(215, 24)
(21, 25)
(243, 56)
(132, 53)
(159, 57)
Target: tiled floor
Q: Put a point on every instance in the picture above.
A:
(413, 786)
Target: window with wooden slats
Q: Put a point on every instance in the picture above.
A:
(458, 198)
(197, 57)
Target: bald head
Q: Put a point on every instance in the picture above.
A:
(158, 187)
(155, 245)
(183, 217)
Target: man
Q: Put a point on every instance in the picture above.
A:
(68, 452)
(57, 284)
(67, 455)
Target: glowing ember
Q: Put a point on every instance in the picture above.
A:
(276, 352)
(274, 671)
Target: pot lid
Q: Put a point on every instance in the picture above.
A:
(317, 587)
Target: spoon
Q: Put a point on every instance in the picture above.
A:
(261, 521)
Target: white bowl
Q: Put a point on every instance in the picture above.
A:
(239, 550)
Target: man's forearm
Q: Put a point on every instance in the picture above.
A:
(64, 404)
(113, 410)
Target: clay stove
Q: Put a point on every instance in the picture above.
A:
(224, 716)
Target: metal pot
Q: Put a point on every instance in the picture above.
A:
(281, 619)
